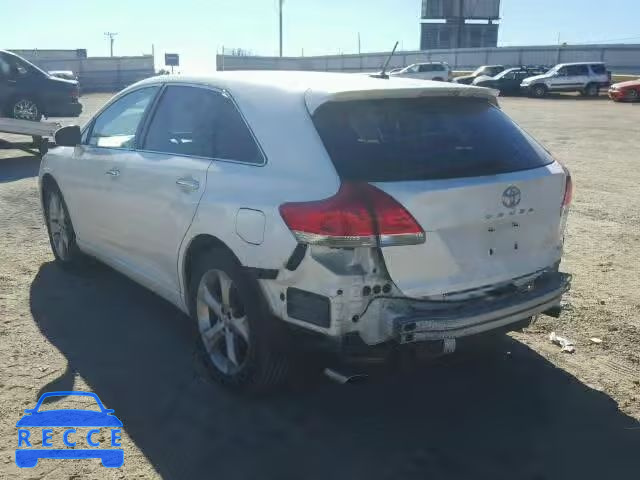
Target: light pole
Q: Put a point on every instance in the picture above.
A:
(110, 35)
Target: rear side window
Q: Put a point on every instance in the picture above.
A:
(574, 70)
(200, 122)
(423, 139)
(598, 69)
(183, 123)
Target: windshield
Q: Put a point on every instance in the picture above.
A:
(479, 71)
(505, 72)
(423, 139)
(28, 66)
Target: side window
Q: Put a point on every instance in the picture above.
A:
(426, 68)
(510, 76)
(598, 69)
(234, 141)
(563, 72)
(413, 69)
(117, 126)
(184, 121)
(5, 68)
(575, 70)
(200, 122)
(581, 70)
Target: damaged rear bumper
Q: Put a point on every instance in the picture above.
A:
(438, 322)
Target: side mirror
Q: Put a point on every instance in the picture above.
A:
(68, 136)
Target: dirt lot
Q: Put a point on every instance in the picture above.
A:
(523, 410)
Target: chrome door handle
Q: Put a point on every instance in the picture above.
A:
(114, 172)
(189, 183)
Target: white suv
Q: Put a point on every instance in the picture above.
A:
(438, 71)
(584, 77)
(276, 208)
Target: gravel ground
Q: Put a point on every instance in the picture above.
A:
(521, 410)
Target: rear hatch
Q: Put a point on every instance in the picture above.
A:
(487, 196)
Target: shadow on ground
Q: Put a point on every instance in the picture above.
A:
(16, 168)
(496, 416)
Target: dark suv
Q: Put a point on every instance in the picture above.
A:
(27, 92)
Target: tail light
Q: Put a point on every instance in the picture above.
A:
(359, 215)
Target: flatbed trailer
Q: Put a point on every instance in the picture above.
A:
(39, 132)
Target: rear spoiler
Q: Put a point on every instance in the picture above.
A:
(314, 99)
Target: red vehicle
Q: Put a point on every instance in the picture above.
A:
(625, 91)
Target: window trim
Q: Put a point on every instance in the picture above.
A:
(91, 124)
(216, 90)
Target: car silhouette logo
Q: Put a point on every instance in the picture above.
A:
(511, 197)
(71, 418)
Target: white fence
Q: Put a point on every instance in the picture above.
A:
(94, 73)
(620, 59)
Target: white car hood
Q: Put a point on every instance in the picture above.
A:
(536, 77)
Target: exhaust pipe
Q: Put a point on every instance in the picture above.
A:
(344, 378)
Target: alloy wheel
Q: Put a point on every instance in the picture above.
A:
(25, 110)
(58, 226)
(222, 322)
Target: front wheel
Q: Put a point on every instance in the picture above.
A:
(61, 233)
(26, 109)
(539, 91)
(632, 95)
(235, 327)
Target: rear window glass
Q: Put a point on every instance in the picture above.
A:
(423, 139)
(598, 69)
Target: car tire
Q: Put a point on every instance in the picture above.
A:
(592, 90)
(539, 91)
(237, 334)
(25, 108)
(62, 236)
(632, 95)
(438, 79)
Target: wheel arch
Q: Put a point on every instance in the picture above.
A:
(197, 245)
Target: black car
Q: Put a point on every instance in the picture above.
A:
(28, 93)
(485, 70)
(509, 80)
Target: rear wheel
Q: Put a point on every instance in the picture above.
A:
(234, 325)
(592, 90)
(632, 95)
(25, 108)
(539, 91)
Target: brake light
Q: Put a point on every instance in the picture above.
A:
(359, 215)
(568, 190)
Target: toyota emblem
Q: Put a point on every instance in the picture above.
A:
(511, 197)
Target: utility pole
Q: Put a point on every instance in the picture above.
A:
(110, 36)
(280, 17)
(359, 43)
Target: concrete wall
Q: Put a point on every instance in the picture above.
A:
(619, 58)
(94, 73)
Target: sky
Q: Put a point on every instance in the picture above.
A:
(197, 29)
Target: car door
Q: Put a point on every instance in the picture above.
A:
(162, 182)
(90, 179)
(568, 78)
